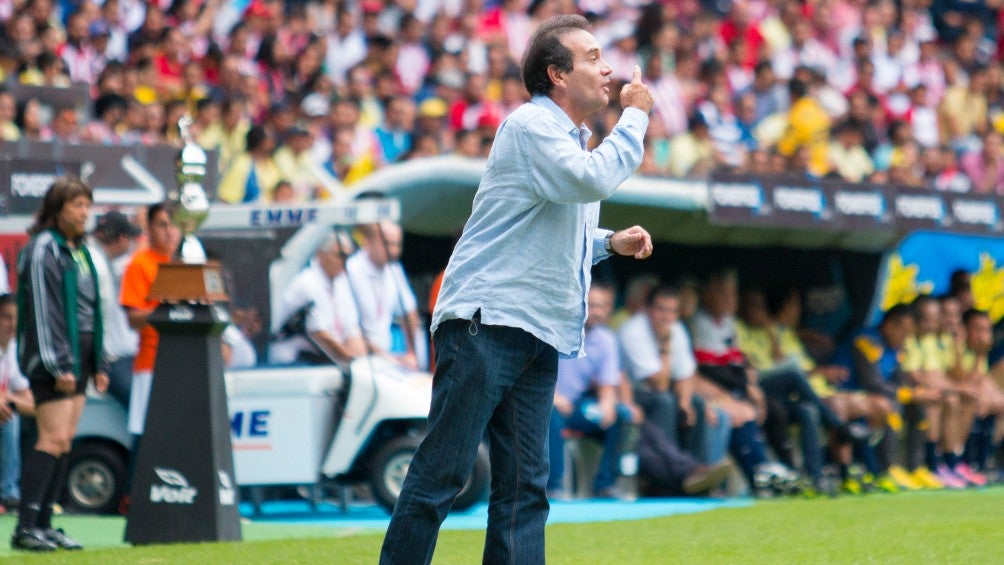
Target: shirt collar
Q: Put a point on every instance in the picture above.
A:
(577, 132)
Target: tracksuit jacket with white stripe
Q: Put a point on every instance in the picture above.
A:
(47, 333)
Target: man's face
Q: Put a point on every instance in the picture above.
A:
(8, 322)
(164, 235)
(663, 313)
(588, 83)
(331, 261)
(896, 332)
(929, 318)
(951, 316)
(979, 334)
(385, 246)
(601, 304)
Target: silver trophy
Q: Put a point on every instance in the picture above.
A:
(190, 205)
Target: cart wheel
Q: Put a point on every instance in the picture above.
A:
(390, 466)
(95, 479)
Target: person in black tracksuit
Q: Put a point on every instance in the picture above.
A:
(59, 348)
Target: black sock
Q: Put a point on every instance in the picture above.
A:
(931, 455)
(951, 459)
(37, 469)
(748, 448)
(54, 491)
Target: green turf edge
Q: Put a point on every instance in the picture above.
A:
(924, 527)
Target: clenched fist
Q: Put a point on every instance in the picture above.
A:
(635, 94)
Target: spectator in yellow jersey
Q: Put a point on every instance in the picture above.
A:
(973, 371)
(808, 126)
(938, 403)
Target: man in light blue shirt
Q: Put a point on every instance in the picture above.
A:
(514, 296)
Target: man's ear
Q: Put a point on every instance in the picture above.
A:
(556, 75)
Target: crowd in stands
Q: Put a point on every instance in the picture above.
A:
(911, 403)
(304, 98)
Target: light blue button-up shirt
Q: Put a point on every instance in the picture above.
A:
(525, 255)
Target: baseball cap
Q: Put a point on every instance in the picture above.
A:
(115, 224)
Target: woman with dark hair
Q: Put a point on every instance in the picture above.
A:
(59, 349)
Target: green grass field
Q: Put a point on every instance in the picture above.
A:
(923, 527)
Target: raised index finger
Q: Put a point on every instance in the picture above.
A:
(636, 79)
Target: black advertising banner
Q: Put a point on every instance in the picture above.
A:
(119, 174)
(975, 213)
(798, 202)
(27, 180)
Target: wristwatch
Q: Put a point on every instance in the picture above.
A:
(606, 243)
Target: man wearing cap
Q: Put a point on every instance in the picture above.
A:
(514, 296)
(110, 242)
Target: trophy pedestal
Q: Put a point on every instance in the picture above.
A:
(189, 282)
(184, 488)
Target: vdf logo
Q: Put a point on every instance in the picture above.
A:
(176, 491)
(181, 313)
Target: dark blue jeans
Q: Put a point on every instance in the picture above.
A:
(489, 379)
(580, 421)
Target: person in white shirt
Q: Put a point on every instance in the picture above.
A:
(656, 354)
(332, 323)
(384, 293)
(112, 239)
(15, 397)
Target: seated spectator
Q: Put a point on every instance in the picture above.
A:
(693, 153)
(985, 168)
(109, 111)
(973, 373)
(922, 117)
(332, 321)
(949, 177)
(945, 413)
(15, 399)
(635, 295)
(963, 111)
(585, 399)
(657, 357)
(785, 307)
(384, 295)
(308, 179)
(790, 398)
(872, 359)
(252, 176)
(64, 127)
(8, 112)
(808, 126)
(725, 381)
(847, 155)
(732, 140)
(395, 133)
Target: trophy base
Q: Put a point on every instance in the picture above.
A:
(179, 281)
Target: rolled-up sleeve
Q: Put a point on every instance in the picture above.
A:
(565, 173)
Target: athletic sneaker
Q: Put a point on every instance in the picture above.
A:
(903, 479)
(963, 470)
(883, 483)
(851, 486)
(31, 539)
(926, 478)
(948, 478)
(57, 537)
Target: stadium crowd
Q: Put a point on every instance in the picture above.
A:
(304, 98)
